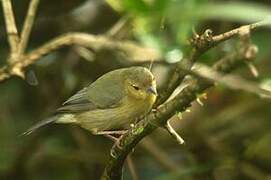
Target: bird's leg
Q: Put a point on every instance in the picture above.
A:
(116, 140)
(116, 143)
(118, 132)
(113, 138)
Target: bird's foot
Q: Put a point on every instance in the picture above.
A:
(116, 144)
(110, 135)
(117, 132)
(116, 140)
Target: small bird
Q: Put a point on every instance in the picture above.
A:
(114, 100)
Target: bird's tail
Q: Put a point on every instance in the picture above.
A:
(40, 124)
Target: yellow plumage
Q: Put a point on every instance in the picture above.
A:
(114, 100)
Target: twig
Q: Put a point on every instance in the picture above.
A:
(173, 133)
(240, 30)
(27, 27)
(94, 42)
(18, 61)
(201, 44)
(11, 28)
(232, 81)
(17, 44)
(117, 28)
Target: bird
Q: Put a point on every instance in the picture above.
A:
(113, 101)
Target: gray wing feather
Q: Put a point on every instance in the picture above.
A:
(79, 97)
(106, 92)
(77, 103)
(76, 108)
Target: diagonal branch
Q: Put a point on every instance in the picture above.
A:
(160, 117)
(27, 27)
(95, 42)
(179, 103)
(232, 81)
(173, 133)
(201, 44)
(11, 28)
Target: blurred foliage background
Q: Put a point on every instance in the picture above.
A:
(227, 138)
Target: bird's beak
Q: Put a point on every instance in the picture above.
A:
(152, 90)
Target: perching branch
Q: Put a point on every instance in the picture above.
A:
(179, 103)
(156, 119)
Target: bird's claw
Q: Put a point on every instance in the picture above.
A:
(116, 146)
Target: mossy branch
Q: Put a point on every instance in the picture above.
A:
(183, 100)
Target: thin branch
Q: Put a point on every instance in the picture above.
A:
(232, 81)
(27, 27)
(173, 133)
(201, 44)
(118, 27)
(18, 61)
(127, 48)
(225, 36)
(11, 28)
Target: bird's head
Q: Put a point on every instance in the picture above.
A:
(140, 83)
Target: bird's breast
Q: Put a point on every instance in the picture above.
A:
(134, 108)
(117, 117)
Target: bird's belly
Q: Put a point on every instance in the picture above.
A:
(112, 118)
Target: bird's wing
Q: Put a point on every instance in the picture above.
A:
(106, 92)
(77, 103)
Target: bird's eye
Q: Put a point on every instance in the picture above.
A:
(135, 87)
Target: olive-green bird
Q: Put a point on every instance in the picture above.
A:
(114, 100)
